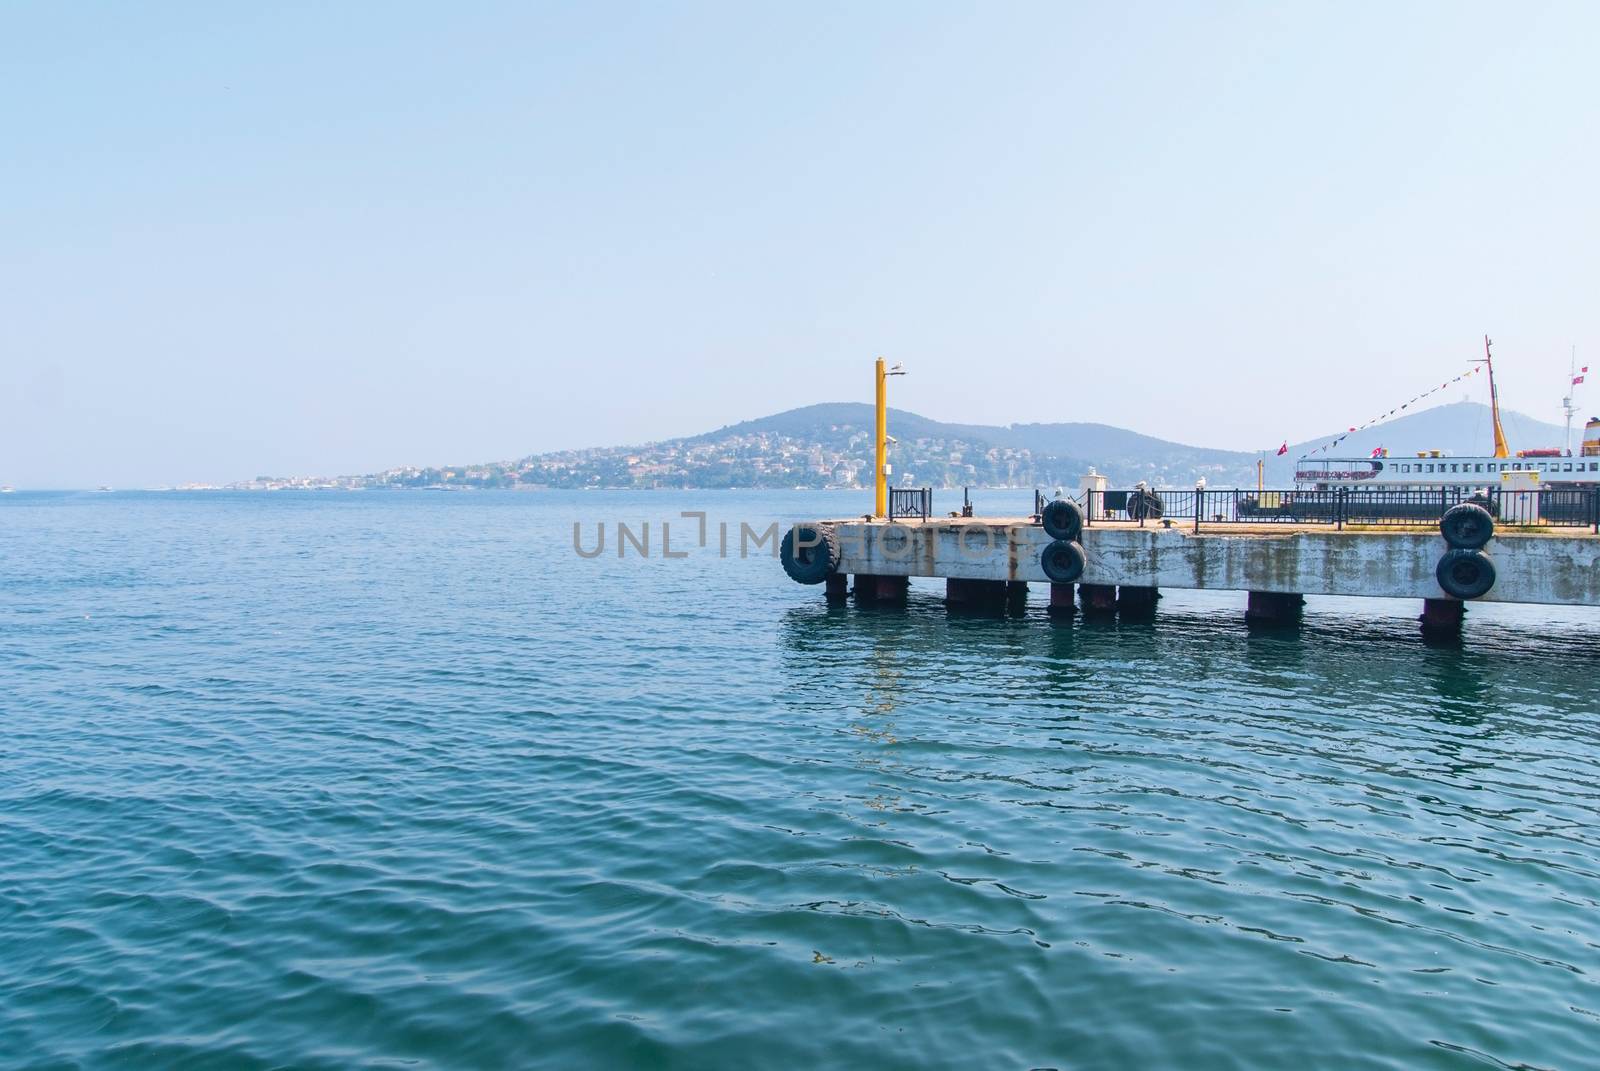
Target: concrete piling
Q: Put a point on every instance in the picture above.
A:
(1062, 603)
(1442, 617)
(1135, 601)
(1098, 599)
(975, 596)
(1274, 608)
(873, 587)
(838, 587)
(1016, 597)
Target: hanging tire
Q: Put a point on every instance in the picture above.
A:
(1062, 520)
(1144, 505)
(811, 558)
(1467, 526)
(1465, 574)
(1062, 561)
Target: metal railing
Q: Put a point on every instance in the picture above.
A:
(1548, 507)
(910, 502)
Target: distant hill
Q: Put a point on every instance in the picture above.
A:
(1057, 453)
(830, 445)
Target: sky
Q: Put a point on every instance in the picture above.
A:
(252, 239)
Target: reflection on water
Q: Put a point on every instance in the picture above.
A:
(1301, 818)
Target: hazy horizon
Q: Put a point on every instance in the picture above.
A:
(1517, 430)
(254, 241)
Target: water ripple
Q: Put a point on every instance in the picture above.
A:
(398, 781)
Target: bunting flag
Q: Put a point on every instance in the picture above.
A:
(1381, 417)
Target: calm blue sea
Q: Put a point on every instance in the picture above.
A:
(401, 781)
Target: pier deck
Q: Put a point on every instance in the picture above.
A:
(1557, 566)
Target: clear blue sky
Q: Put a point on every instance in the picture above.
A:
(263, 238)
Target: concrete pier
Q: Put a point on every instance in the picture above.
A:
(988, 563)
(1554, 567)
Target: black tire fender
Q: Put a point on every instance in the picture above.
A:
(1465, 574)
(1144, 505)
(1466, 526)
(1062, 520)
(811, 558)
(1062, 561)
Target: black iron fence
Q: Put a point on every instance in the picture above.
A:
(910, 502)
(1549, 507)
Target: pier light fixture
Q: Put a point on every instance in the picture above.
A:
(880, 472)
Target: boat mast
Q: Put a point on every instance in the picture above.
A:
(1572, 375)
(1500, 447)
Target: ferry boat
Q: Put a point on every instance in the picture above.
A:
(1432, 470)
(1532, 485)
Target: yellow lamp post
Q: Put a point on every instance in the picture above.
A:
(880, 480)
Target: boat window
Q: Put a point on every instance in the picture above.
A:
(1430, 468)
(1517, 465)
(1480, 466)
(1568, 467)
(1594, 466)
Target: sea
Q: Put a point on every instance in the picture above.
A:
(444, 780)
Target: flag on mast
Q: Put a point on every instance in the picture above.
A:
(1284, 449)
